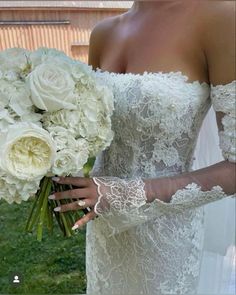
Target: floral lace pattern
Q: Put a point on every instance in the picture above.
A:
(136, 247)
(224, 100)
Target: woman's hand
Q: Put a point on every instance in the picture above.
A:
(85, 194)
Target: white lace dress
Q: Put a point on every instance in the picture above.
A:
(136, 247)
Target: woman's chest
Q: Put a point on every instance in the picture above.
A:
(165, 101)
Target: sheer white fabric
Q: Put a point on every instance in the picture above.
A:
(155, 248)
(217, 275)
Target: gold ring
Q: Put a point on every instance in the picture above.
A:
(81, 203)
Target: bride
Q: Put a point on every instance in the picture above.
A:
(166, 62)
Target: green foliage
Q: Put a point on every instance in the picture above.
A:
(55, 265)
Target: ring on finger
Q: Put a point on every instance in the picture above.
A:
(81, 203)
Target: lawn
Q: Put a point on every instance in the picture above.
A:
(56, 265)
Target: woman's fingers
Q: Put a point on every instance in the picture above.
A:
(73, 206)
(76, 181)
(85, 219)
(70, 194)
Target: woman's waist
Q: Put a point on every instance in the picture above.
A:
(146, 170)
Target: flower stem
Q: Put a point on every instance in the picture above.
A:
(40, 197)
(44, 209)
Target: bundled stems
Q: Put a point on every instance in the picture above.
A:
(43, 208)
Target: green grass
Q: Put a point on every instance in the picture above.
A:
(56, 265)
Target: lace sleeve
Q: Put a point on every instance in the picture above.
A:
(123, 203)
(224, 100)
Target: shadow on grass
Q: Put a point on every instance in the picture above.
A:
(56, 265)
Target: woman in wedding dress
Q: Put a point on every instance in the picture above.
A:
(167, 62)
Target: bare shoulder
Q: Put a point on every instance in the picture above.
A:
(218, 19)
(99, 37)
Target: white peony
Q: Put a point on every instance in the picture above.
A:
(26, 151)
(52, 87)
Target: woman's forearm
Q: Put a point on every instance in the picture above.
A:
(221, 174)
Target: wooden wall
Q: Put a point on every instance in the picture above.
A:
(65, 29)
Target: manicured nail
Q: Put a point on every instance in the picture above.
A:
(75, 227)
(57, 209)
(52, 197)
(55, 178)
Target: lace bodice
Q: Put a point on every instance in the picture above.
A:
(156, 121)
(139, 248)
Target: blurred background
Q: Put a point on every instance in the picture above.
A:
(65, 25)
(57, 265)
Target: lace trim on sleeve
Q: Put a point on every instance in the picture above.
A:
(119, 195)
(224, 100)
(122, 204)
(192, 196)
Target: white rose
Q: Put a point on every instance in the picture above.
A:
(65, 163)
(62, 137)
(26, 151)
(52, 87)
(71, 161)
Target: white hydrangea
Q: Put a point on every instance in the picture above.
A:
(43, 55)
(54, 115)
(15, 104)
(13, 61)
(16, 190)
(67, 119)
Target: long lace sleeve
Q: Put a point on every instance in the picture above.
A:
(123, 202)
(224, 101)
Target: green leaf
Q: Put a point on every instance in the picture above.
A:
(88, 166)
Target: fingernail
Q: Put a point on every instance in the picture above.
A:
(57, 209)
(52, 197)
(55, 178)
(75, 227)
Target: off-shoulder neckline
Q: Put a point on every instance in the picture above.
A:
(161, 73)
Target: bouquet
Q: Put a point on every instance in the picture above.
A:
(54, 121)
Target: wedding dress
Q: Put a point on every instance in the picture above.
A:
(135, 247)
